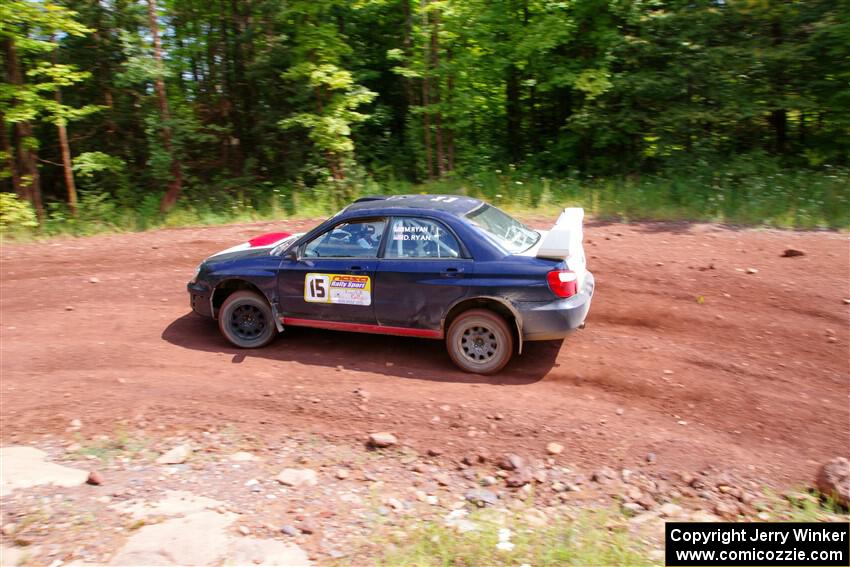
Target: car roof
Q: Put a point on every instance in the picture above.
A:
(457, 205)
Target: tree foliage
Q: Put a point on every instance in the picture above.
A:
(249, 94)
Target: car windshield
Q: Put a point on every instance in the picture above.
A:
(508, 232)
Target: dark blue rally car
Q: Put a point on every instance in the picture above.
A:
(430, 266)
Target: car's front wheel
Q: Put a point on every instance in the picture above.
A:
(246, 320)
(480, 341)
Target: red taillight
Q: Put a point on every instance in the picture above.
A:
(563, 283)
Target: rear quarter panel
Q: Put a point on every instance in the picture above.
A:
(515, 278)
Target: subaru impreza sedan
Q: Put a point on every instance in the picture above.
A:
(443, 267)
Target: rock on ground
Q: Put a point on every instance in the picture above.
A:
(13, 555)
(175, 456)
(197, 539)
(519, 478)
(833, 480)
(670, 510)
(298, 477)
(24, 467)
(554, 448)
(482, 498)
(511, 462)
(252, 551)
(243, 456)
(443, 479)
(382, 439)
(201, 537)
(174, 503)
(95, 478)
(604, 475)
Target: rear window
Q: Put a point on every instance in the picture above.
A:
(502, 228)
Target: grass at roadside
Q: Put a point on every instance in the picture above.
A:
(769, 197)
(589, 536)
(800, 505)
(500, 538)
(107, 448)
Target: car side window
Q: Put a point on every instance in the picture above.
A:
(359, 239)
(411, 237)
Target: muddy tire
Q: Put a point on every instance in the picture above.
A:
(246, 320)
(480, 341)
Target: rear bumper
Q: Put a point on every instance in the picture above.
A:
(199, 298)
(556, 319)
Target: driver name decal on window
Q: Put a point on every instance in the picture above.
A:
(338, 288)
(428, 232)
(420, 238)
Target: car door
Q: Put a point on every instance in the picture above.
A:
(421, 273)
(331, 277)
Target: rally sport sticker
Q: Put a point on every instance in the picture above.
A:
(338, 288)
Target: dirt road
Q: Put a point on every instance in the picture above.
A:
(686, 356)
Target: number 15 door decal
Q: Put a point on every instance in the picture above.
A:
(338, 288)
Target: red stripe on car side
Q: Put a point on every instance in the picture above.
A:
(362, 328)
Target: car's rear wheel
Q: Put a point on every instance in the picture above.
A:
(480, 341)
(246, 320)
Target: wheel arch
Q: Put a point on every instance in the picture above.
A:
(498, 305)
(226, 287)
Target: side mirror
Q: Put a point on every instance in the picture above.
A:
(291, 254)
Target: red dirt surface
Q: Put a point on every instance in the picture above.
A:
(686, 355)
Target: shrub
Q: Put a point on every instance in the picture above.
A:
(16, 215)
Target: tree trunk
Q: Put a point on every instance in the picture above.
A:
(211, 78)
(333, 159)
(66, 161)
(64, 147)
(174, 186)
(408, 52)
(450, 153)
(779, 121)
(9, 153)
(435, 71)
(105, 73)
(66, 165)
(233, 112)
(450, 138)
(28, 160)
(778, 116)
(178, 42)
(426, 128)
(29, 186)
(426, 96)
(243, 55)
(512, 109)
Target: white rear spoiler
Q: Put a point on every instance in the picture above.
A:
(565, 237)
(564, 242)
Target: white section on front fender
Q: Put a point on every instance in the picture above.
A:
(247, 245)
(237, 248)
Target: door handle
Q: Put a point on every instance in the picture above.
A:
(355, 269)
(452, 272)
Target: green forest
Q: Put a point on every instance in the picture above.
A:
(130, 114)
